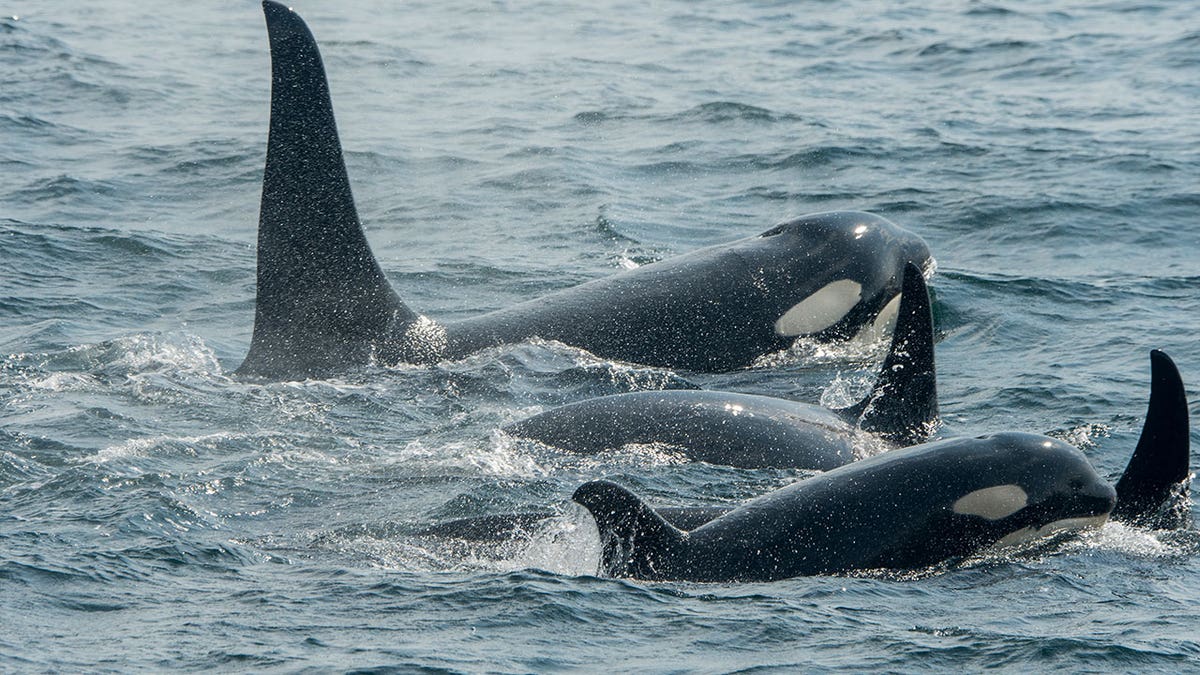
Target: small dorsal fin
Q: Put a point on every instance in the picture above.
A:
(323, 303)
(1156, 473)
(902, 406)
(637, 541)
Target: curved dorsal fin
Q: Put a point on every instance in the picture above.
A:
(323, 303)
(637, 541)
(1160, 463)
(902, 406)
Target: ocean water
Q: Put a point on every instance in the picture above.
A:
(157, 514)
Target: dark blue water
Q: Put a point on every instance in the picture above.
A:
(156, 514)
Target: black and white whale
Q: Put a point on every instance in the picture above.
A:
(1152, 491)
(324, 305)
(753, 431)
(905, 509)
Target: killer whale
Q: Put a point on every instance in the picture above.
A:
(905, 509)
(324, 306)
(1152, 491)
(753, 431)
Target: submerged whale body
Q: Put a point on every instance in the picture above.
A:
(753, 431)
(906, 509)
(324, 306)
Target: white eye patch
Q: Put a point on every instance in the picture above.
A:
(992, 503)
(885, 321)
(821, 309)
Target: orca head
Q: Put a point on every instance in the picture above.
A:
(1032, 486)
(860, 258)
(848, 226)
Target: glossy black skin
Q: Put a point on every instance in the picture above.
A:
(753, 431)
(717, 427)
(892, 511)
(324, 306)
(713, 309)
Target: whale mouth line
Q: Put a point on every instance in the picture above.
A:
(1027, 534)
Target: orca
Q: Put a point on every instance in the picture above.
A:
(324, 306)
(752, 431)
(906, 509)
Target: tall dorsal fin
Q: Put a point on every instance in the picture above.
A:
(902, 406)
(1160, 463)
(637, 541)
(323, 302)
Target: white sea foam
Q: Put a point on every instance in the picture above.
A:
(866, 346)
(1122, 538)
(502, 456)
(566, 544)
(148, 352)
(146, 446)
(1083, 436)
(63, 382)
(846, 389)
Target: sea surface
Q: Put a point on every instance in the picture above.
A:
(157, 514)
